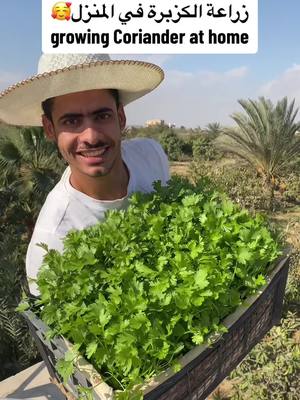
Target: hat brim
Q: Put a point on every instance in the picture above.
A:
(20, 104)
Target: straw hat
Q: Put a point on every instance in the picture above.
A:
(60, 74)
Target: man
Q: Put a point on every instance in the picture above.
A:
(79, 101)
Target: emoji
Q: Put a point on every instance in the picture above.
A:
(61, 10)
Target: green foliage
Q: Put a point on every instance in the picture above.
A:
(204, 149)
(265, 137)
(213, 129)
(29, 163)
(290, 186)
(17, 350)
(172, 145)
(266, 134)
(187, 148)
(13, 236)
(143, 287)
(28, 170)
(239, 182)
(178, 148)
(244, 186)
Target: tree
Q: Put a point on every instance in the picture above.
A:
(203, 148)
(29, 164)
(172, 145)
(213, 129)
(265, 137)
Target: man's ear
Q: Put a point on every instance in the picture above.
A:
(122, 116)
(49, 129)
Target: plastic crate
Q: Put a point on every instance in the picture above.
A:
(203, 368)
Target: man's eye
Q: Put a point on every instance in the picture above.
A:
(104, 116)
(71, 121)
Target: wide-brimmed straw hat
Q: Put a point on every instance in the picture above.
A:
(60, 74)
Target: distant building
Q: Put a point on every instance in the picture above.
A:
(154, 122)
(171, 125)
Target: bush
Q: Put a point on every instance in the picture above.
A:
(172, 145)
(240, 183)
(246, 187)
(290, 187)
(204, 149)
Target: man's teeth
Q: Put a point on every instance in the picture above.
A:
(94, 153)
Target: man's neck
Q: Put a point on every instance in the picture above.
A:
(109, 187)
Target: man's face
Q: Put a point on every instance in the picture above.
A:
(87, 129)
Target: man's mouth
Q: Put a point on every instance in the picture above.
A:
(94, 153)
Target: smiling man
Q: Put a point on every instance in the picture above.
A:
(79, 100)
(87, 129)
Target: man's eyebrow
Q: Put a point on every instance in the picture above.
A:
(70, 115)
(101, 110)
(80, 115)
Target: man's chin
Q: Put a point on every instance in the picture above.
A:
(97, 172)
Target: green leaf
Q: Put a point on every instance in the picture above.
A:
(243, 255)
(91, 349)
(200, 278)
(65, 369)
(23, 306)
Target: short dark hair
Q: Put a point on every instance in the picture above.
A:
(47, 105)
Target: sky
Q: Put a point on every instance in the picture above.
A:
(198, 89)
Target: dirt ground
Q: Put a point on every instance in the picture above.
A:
(179, 168)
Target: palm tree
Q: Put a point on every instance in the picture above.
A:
(30, 165)
(265, 137)
(213, 129)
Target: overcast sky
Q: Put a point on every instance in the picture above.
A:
(198, 89)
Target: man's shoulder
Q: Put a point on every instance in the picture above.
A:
(143, 145)
(146, 157)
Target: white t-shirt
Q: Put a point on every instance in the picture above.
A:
(66, 208)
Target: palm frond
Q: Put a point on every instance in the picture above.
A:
(9, 152)
(265, 135)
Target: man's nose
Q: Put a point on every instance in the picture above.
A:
(90, 134)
